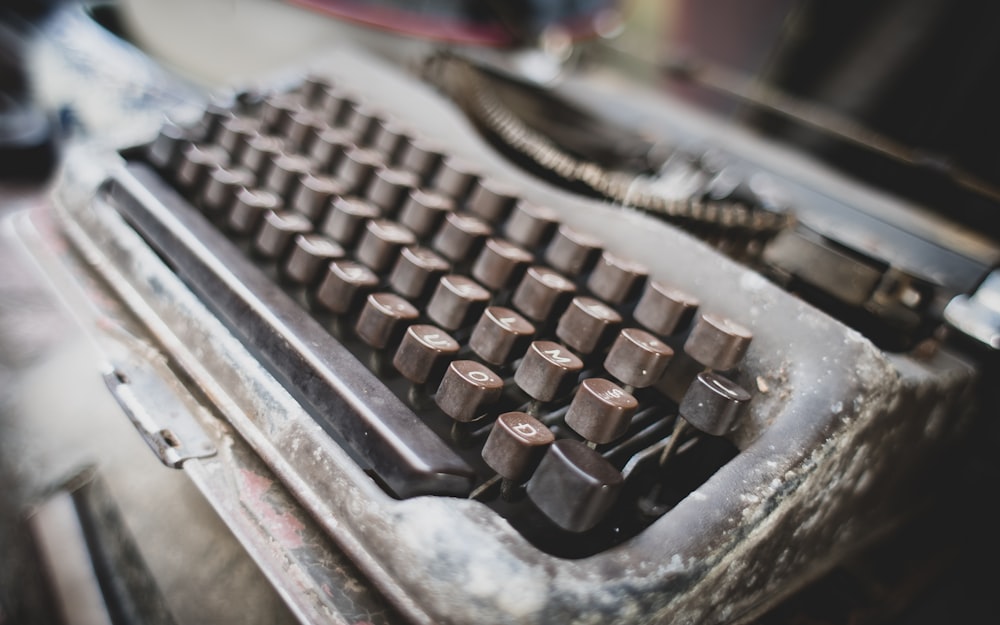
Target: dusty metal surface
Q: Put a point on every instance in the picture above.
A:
(801, 489)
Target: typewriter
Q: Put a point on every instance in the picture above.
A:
(510, 356)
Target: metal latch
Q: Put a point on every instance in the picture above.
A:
(164, 422)
(978, 316)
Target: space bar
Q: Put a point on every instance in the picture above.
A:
(404, 454)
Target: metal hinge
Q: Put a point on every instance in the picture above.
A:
(163, 420)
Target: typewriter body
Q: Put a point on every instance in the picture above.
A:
(307, 333)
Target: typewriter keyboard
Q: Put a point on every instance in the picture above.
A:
(454, 336)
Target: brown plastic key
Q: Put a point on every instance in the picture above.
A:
(276, 231)
(530, 225)
(467, 389)
(500, 264)
(383, 319)
(572, 252)
(344, 284)
(380, 244)
(308, 254)
(500, 335)
(422, 353)
(221, 186)
(389, 187)
(588, 325)
(601, 410)
(357, 165)
(574, 486)
(515, 445)
(457, 302)
(346, 219)
(717, 342)
(423, 211)
(491, 200)
(454, 178)
(663, 309)
(547, 371)
(637, 358)
(313, 194)
(416, 272)
(542, 294)
(248, 209)
(616, 279)
(459, 237)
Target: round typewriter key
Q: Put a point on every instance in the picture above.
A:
(422, 353)
(389, 187)
(662, 309)
(310, 253)
(547, 371)
(380, 243)
(616, 279)
(313, 194)
(420, 156)
(490, 200)
(467, 389)
(457, 302)
(328, 146)
(334, 101)
(260, 151)
(587, 325)
(196, 162)
(416, 272)
(221, 185)
(285, 171)
(277, 108)
(572, 252)
(389, 137)
(343, 285)
(216, 111)
(277, 231)
(249, 207)
(235, 132)
(312, 87)
(516, 444)
(423, 211)
(164, 151)
(574, 486)
(346, 219)
(500, 334)
(530, 225)
(359, 118)
(383, 319)
(713, 403)
(302, 128)
(601, 410)
(717, 342)
(454, 178)
(542, 294)
(500, 264)
(460, 236)
(357, 165)
(637, 358)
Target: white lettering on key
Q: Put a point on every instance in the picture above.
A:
(556, 356)
(436, 340)
(479, 376)
(525, 429)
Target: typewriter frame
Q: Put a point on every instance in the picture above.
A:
(817, 475)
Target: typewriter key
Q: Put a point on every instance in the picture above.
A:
(587, 325)
(574, 486)
(601, 410)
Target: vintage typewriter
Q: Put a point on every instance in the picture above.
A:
(512, 377)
